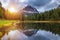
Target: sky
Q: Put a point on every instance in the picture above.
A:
(40, 5)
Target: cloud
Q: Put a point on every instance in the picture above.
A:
(52, 4)
(49, 6)
(34, 3)
(40, 5)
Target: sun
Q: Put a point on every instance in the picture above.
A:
(12, 10)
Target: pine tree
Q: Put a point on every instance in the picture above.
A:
(2, 11)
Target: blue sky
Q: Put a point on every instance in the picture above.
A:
(40, 5)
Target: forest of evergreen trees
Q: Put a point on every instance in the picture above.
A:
(2, 12)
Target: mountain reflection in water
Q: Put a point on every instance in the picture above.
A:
(40, 35)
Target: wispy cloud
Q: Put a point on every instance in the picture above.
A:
(49, 6)
(41, 5)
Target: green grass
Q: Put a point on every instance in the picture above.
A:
(2, 22)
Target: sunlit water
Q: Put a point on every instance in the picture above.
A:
(40, 35)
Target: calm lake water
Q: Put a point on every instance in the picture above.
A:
(39, 35)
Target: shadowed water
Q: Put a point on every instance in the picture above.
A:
(39, 35)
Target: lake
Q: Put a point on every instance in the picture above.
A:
(38, 35)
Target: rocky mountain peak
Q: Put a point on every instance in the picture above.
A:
(30, 9)
(58, 6)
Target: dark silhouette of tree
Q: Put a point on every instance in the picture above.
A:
(2, 12)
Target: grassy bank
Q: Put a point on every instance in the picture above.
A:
(6, 22)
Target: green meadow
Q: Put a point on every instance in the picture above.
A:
(6, 22)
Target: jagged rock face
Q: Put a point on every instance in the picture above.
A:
(59, 6)
(30, 32)
(30, 9)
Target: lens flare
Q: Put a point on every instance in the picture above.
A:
(12, 10)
